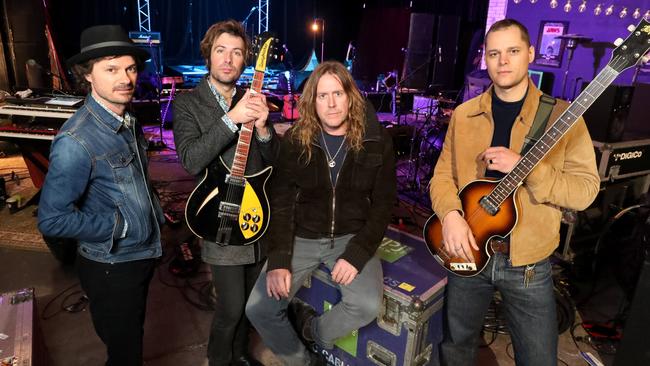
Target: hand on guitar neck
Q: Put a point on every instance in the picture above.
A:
(458, 240)
(252, 107)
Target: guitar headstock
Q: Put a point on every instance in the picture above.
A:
(265, 50)
(632, 50)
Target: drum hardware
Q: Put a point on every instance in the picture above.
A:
(572, 42)
(426, 142)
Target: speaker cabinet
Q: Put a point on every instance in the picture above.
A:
(432, 51)
(606, 118)
(415, 73)
(637, 126)
(634, 349)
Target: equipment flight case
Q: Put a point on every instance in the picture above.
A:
(409, 328)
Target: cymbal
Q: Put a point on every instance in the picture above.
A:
(575, 37)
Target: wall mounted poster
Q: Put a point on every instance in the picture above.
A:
(550, 49)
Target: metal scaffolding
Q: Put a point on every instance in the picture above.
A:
(263, 16)
(143, 16)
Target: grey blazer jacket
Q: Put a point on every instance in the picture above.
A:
(201, 137)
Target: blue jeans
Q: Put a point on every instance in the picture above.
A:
(360, 301)
(529, 311)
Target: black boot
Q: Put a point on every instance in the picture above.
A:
(302, 315)
(245, 361)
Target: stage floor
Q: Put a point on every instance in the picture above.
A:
(176, 331)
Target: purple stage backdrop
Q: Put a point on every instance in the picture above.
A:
(590, 58)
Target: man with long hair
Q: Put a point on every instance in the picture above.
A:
(331, 199)
(206, 129)
(484, 139)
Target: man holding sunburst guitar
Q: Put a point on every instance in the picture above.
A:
(489, 244)
(213, 130)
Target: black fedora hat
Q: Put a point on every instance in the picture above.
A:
(107, 40)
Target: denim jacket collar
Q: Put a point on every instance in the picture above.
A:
(102, 114)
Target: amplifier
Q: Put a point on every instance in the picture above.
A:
(19, 345)
(145, 37)
(622, 159)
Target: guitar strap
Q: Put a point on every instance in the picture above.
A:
(546, 104)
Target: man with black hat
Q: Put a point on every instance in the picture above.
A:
(98, 192)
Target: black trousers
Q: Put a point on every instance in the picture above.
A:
(230, 327)
(118, 301)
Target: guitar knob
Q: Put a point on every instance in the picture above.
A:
(631, 27)
(254, 228)
(256, 218)
(244, 225)
(618, 42)
(247, 217)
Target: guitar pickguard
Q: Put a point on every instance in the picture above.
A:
(251, 215)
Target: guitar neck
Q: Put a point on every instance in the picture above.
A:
(245, 134)
(552, 135)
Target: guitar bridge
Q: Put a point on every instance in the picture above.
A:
(488, 206)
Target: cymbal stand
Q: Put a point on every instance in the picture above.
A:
(414, 160)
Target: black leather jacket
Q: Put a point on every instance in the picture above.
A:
(304, 203)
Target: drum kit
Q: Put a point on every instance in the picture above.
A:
(427, 137)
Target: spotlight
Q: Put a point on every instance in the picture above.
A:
(533, 1)
(598, 10)
(516, 1)
(583, 6)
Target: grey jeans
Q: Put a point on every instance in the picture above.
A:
(360, 301)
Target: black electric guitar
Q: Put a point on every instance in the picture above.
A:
(228, 207)
(489, 207)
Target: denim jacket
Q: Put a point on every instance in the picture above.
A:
(97, 186)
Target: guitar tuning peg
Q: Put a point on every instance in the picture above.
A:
(631, 27)
(618, 42)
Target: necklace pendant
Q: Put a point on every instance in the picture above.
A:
(332, 163)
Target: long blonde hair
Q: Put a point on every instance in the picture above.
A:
(308, 125)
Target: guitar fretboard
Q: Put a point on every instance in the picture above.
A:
(552, 135)
(245, 134)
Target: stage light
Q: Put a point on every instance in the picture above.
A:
(567, 6)
(314, 27)
(516, 1)
(598, 10)
(623, 13)
(583, 6)
(533, 1)
(637, 13)
(553, 4)
(609, 10)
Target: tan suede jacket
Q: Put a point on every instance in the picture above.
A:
(566, 177)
